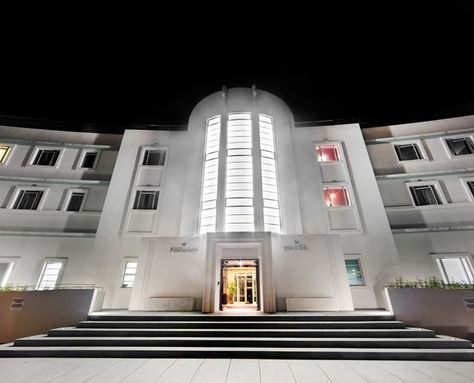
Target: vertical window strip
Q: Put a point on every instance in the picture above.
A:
(211, 175)
(271, 210)
(239, 203)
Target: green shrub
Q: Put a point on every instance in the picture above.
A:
(10, 288)
(428, 283)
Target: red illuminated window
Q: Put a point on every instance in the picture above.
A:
(327, 153)
(337, 196)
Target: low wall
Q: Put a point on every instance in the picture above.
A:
(26, 313)
(444, 311)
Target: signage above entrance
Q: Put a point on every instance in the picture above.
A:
(296, 246)
(183, 249)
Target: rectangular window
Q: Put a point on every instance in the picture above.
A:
(327, 153)
(456, 269)
(4, 151)
(425, 195)
(154, 157)
(28, 199)
(336, 196)
(146, 200)
(239, 214)
(50, 274)
(271, 211)
(46, 157)
(408, 152)
(354, 272)
(75, 202)
(460, 146)
(470, 184)
(88, 162)
(5, 271)
(129, 273)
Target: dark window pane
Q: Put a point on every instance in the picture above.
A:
(354, 272)
(28, 199)
(154, 157)
(75, 202)
(146, 200)
(471, 186)
(425, 195)
(46, 157)
(408, 152)
(461, 146)
(89, 160)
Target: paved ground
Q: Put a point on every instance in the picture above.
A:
(59, 370)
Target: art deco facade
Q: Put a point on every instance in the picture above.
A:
(244, 208)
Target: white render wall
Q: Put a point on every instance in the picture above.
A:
(423, 232)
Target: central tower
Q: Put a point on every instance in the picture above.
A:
(240, 185)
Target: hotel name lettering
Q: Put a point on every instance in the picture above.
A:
(296, 246)
(183, 249)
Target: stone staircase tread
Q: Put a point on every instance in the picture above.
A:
(238, 322)
(243, 352)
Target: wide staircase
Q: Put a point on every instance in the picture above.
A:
(261, 336)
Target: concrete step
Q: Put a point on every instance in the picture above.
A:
(427, 343)
(242, 318)
(239, 352)
(259, 333)
(245, 324)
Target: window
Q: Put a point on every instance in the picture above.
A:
(146, 199)
(460, 146)
(336, 196)
(326, 153)
(88, 161)
(5, 271)
(52, 269)
(211, 175)
(408, 152)
(46, 157)
(75, 201)
(28, 199)
(271, 210)
(470, 185)
(239, 203)
(425, 195)
(154, 157)
(4, 151)
(129, 273)
(456, 269)
(354, 272)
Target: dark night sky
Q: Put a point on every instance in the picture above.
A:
(390, 64)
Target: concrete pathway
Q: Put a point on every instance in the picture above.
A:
(59, 370)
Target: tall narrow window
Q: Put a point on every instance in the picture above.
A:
(28, 199)
(129, 273)
(354, 272)
(211, 176)
(425, 195)
(470, 184)
(271, 209)
(239, 205)
(146, 200)
(154, 157)
(46, 157)
(88, 162)
(4, 151)
(5, 271)
(50, 274)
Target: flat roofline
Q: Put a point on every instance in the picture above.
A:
(88, 127)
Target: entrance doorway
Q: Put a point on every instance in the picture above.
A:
(240, 281)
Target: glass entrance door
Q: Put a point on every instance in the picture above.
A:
(239, 287)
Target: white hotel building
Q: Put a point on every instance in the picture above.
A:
(243, 208)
